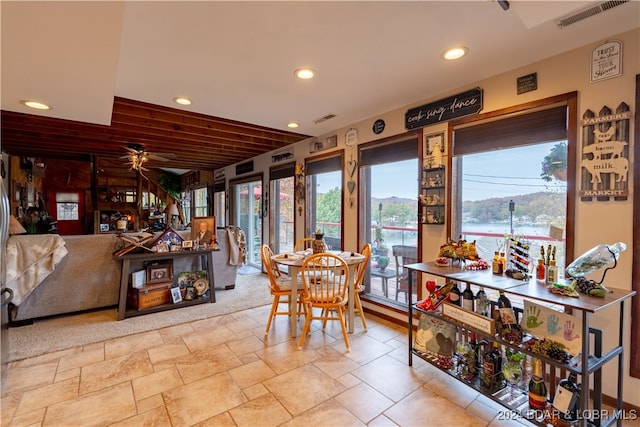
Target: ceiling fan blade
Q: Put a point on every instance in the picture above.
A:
(157, 157)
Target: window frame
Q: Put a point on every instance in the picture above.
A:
(570, 100)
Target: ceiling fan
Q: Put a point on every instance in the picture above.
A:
(138, 156)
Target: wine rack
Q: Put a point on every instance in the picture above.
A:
(519, 257)
(588, 364)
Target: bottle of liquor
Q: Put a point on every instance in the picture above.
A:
(482, 302)
(537, 387)
(541, 270)
(503, 261)
(468, 298)
(552, 272)
(475, 347)
(454, 294)
(567, 398)
(507, 315)
(496, 265)
(492, 368)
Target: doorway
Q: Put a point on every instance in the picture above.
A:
(246, 213)
(65, 207)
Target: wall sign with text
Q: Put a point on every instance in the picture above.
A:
(460, 105)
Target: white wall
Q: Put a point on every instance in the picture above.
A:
(596, 222)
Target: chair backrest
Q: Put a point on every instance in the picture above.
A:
(404, 255)
(326, 279)
(302, 244)
(362, 267)
(271, 267)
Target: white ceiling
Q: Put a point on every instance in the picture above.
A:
(236, 59)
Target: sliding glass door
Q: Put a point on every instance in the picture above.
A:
(246, 213)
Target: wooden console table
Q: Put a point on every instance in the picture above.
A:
(206, 263)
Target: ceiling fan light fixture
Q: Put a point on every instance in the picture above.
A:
(35, 105)
(304, 73)
(455, 53)
(182, 100)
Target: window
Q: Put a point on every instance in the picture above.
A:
(506, 178)
(388, 215)
(324, 199)
(67, 207)
(200, 202)
(282, 209)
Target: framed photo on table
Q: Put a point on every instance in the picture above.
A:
(203, 229)
(157, 273)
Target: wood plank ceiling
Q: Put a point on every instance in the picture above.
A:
(192, 141)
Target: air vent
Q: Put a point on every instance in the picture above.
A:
(588, 12)
(324, 119)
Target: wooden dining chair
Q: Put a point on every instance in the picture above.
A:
(303, 244)
(279, 287)
(325, 277)
(358, 288)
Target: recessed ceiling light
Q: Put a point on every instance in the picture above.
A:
(304, 73)
(455, 53)
(36, 105)
(182, 100)
(292, 125)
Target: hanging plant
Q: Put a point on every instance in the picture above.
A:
(554, 164)
(171, 184)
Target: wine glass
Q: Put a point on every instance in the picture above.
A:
(512, 373)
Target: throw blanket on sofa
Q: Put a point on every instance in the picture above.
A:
(30, 259)
(237, 245)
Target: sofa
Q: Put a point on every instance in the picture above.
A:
(88, 277)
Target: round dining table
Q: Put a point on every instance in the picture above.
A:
(294, 261)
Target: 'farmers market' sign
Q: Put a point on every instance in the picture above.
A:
(460, 105)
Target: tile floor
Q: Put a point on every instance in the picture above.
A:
(223, 372)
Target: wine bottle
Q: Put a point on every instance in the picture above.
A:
(537, 387)
(492, 368)
(454, 294)
(507, 316)
(482, 302)
(567, 398)
(467, 297)
(475, 347)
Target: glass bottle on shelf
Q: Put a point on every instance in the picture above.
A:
(467, 297)
(507, 315)
(454, 294)
(492, 368)
(537, 387)
(496, 265)
(541, 270)
(567, 398)
(552, 272)
(482, 302)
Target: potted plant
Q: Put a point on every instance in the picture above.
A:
(380, 247)
(383, 262)
(554, 164)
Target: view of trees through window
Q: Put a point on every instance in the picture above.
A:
(533, 177)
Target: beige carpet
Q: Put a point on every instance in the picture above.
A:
(62, 332)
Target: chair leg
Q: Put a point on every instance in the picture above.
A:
(305, 329)
(272, 314)
(343, 324)
(360, 311)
